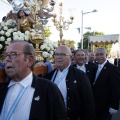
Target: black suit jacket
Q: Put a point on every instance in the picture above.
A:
(107, 89)
(91, 69)
(117, 61)
(80, 100)
(49, 107)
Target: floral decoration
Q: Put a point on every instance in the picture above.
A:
(48, 47)
(8, 32)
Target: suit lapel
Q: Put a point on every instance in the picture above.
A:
(101, 72)
(35, 99)
(87, 68)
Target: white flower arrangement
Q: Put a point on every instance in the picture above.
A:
(48, 47)
(8, 32)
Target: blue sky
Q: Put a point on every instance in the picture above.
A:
(106, 20)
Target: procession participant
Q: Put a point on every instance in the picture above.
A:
(74, 86)
(106, 87)
(38, 98)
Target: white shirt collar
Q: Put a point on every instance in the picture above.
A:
(102, 65)
(25, 82)
(83, 66)
(64, 69)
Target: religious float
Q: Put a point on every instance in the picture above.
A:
(36, 12)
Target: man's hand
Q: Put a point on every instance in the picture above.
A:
(112, 111)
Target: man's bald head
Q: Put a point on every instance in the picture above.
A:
(63, 57)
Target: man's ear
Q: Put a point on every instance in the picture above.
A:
(31, 59)
(71, 57)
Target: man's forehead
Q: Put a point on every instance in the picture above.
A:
(80, 52)
(61, 49)
(15, 46)
(99, 50)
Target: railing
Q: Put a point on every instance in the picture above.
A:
(2, 75)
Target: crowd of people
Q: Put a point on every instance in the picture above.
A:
(85, 90)
(83, 86)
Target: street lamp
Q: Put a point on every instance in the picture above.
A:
(82, 25)
(62, 24)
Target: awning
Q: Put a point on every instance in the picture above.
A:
(105, 38)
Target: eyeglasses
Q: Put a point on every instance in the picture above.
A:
(12, 55)
(61, 54)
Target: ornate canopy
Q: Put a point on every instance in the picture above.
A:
(106, 39)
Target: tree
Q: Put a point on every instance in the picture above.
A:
(69, 43)
(86, 36)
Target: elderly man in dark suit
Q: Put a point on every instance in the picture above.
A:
(83, 64)
(74, 86)
(106, 87)
(25, 96)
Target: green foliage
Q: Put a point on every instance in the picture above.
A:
(46, 32)
(69, 43)
(86, 37)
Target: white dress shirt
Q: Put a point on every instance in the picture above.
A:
(62, 84)
(82, 68)
(22, 110)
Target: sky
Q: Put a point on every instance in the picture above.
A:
(106, 19)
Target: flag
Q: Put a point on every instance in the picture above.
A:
(78, 30)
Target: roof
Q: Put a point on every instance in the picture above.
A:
(105, 38)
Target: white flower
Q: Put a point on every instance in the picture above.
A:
(10, 30)
(7, 42)
(18, 32)
(7, 23)
(27, 33)
(26, 38)
(47, 48)
(15, 29)
(15, 37)
(7, 34)
(45, 54)
(5, 28)
(1, 46)
(9, 39)
(46, 40)
(50, 56)
(2, 38)
(15, 33)
(22, 35)
(2, 32)
(2, 24)
(51, 52)
(21, 38)
(42, 47)
(51, 47)
(55, 45)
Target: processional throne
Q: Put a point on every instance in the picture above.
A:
(40, 12)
